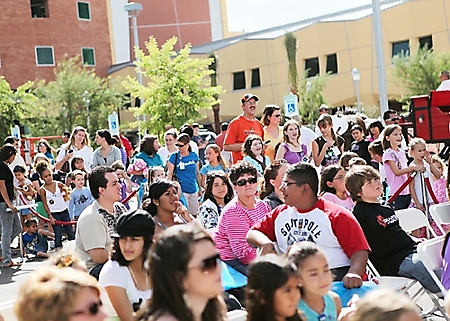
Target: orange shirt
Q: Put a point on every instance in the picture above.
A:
(238, 130)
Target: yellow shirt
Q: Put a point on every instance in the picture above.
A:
(270, 150)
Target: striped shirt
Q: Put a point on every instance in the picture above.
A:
(234, 224)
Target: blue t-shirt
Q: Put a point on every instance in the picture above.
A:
(329, 313)
(79, 200)
(186, 171)
(208, 168)
(151, 161)
(34, 243)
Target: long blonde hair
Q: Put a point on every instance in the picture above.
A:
(71, 141)
(216, 149)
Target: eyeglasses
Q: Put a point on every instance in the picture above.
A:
(243, 182)
(180, 145)
(93, 309)
(339, 178)
(285, 184)
(207, 265)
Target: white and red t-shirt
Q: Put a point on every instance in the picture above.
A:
(328, 225)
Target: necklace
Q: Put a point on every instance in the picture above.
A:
(136, 282)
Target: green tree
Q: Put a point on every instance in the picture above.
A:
(290, 44)
(177, 86)
(418, 74)
(76, 95)
(14, 105)
(310, 100)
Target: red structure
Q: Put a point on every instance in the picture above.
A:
(431, 116)
(189, 21)
(36, 34)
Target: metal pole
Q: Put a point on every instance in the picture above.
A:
(139, 74)
(425, 202)
(87, 113)
(376, 18)
(358, 102)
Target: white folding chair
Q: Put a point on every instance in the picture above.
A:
(394, 283)
(411, 219)
(440, 214)
(430, 254)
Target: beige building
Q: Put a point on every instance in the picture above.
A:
(257, 62)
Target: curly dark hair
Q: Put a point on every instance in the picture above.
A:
(241, 168)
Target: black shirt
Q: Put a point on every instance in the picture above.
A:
(7, 176)
(362, 149)
(390, 244)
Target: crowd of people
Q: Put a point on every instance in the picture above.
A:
(288, 209)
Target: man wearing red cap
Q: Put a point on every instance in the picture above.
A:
(242, 126)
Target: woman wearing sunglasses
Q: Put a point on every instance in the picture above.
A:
(184, 164)
(52, 293)
(272, 132)
(186, 277)
(124, 277)
(238, 216)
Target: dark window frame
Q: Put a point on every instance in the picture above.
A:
(39, 9)
(85, 62)
(240, 77)
(88, 10)
(37, 49)
(334, 60)
(311, 69)
(256, 78)
(396, 48)
(424, 40)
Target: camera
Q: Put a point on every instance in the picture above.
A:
(70, 151)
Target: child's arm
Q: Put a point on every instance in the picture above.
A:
(281, 151)
(399, 172)
(71, 205)
(46, 208)
(46, 233)
(433, 168)
(318, 157)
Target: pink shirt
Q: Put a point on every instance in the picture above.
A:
(399, 159)
(235, 222)
(347, 203)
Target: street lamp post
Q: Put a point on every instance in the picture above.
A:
(133, 10)
(356, 76)
(86, 103)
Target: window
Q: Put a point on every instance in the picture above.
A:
(426, 42)
(332, 66)
(44, 56)
(399, 47)
(88, 56)
(39, 8)
(83, 11)
(238, 80)
(256, 81)
(312, 66)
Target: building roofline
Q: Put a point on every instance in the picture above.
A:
(293, 26)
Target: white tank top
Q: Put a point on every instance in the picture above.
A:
(55, 201)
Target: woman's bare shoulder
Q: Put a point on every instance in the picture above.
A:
(164, 317)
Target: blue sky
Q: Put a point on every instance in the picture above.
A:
(253, 15)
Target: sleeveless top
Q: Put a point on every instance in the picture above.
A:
(329, 312)
(293, 157)
(55, 201)
(333, 154)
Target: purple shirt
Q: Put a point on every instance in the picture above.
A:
(294, 157)
(123, 192)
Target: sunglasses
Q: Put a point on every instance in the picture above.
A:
(394, 119)
(243, 182)
(277, 116)
(92, 310)
(208, 265)
(180, 145)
